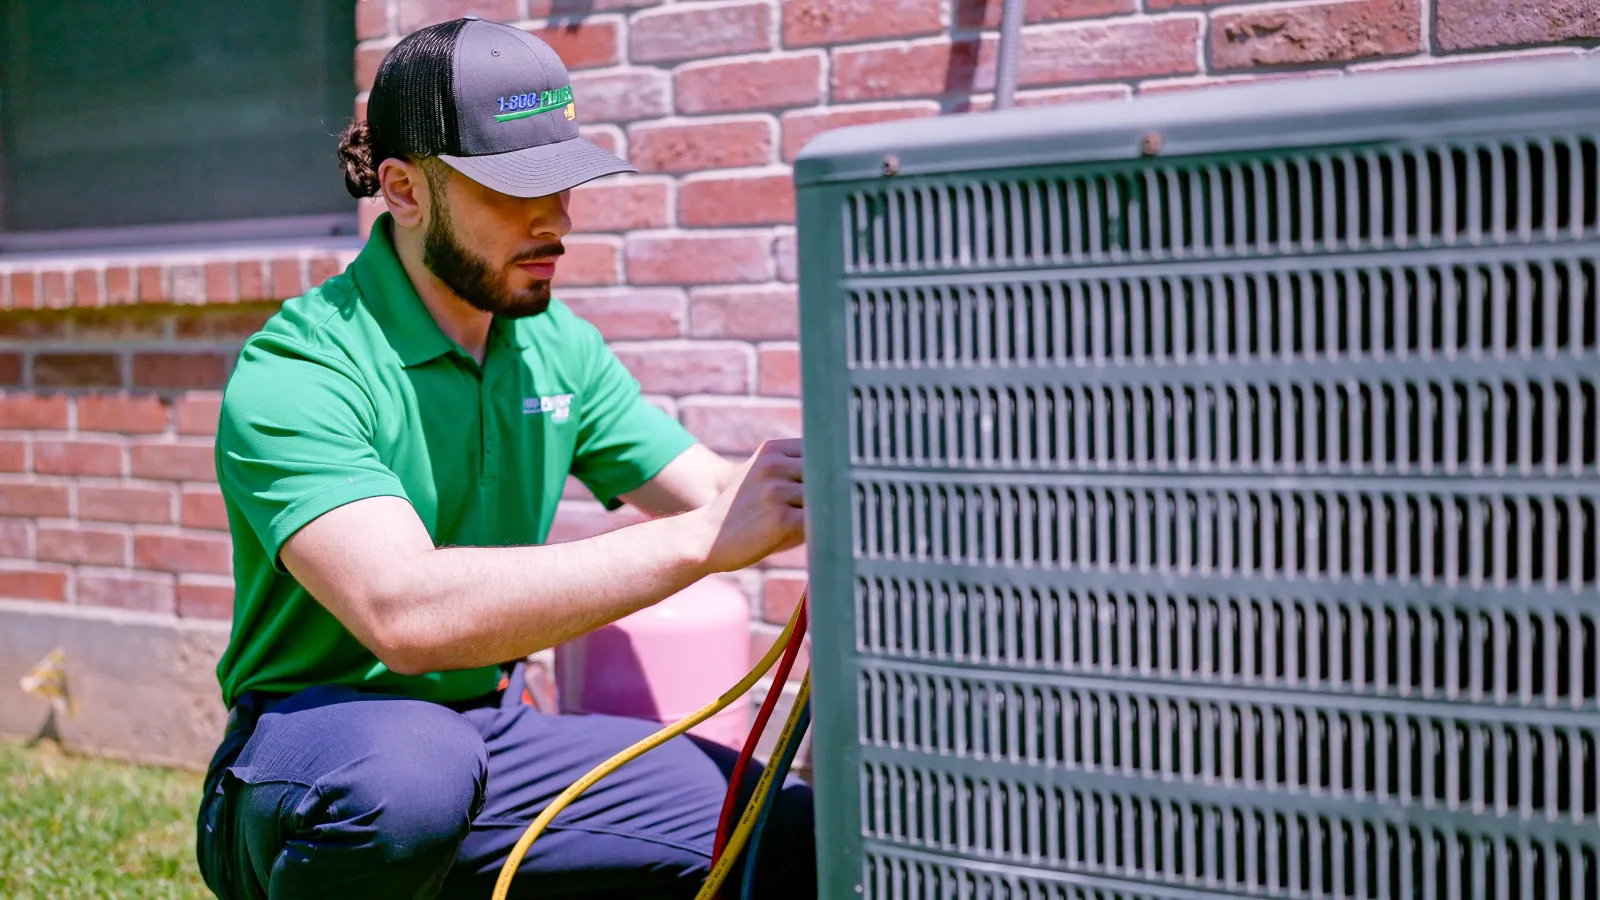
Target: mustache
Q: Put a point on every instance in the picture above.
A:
(546, 253)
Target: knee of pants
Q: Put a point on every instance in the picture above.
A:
(402, 791)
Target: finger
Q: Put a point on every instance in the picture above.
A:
(789, 493)
(786, 468)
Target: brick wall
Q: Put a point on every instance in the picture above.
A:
(110, 368)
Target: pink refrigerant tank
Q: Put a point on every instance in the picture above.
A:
(664, 662)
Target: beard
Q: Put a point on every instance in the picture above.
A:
(474, 279)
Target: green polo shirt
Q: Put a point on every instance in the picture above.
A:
(352, 391)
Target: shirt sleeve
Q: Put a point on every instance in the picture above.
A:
(623, 439)
(295, 440)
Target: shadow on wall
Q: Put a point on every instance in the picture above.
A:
(966, 54)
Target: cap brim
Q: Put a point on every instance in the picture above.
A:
(543, 170)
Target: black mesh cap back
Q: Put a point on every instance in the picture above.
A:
(412, 106)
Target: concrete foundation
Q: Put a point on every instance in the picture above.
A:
(143, 687)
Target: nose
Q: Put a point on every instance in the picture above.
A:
(551, 220)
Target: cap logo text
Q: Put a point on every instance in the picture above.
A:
(520, 106)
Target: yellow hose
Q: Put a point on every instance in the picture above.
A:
(752, 812)
(514, 859)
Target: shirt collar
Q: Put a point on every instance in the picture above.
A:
(388, 293)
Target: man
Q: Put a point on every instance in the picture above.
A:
(391, 451)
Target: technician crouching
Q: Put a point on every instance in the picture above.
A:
(392, 448)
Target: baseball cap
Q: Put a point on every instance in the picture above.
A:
(491, 101)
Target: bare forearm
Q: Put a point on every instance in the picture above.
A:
(460, 607)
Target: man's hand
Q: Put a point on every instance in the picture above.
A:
(761, 513)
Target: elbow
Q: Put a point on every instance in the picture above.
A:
(401, 650)
(397, 636)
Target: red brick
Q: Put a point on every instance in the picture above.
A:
(86, 288)
(52, 457)
(202, 507)
(33, 500)
(737, 200)
(137, 505)
(986, 13)
(621, 96)
(801, 126)
(1054, 97)
(368, 58)
(24, 290)
(695, 146)
(82, 546)
(173, 462)
(15, 542)
(1482, 24)
(416, 14)
(631, 314)
(24, 412)
(698, 259)
(814, 22)
(920, 69)
(119, 285)
(1313, 33)
(739, 426)
(33, 584)
(10, 369)
(780, 594)
(180, 371)
(588, 261)
(761, 642)
(1178, 85)
(122, 413)
(786, 252)
(614, 204)
(1062, 54)
(323, 267)
(252, 281)
(127, 590)
(198, 412)
(205, 597)
(771, 82)
(606, 137)
(152, 284)
(676, 33)
(77, 370)
(221, 286)
(53, 289)
(287, 279)
(698, 368)
(205, 554)
(541, 9)
(230, 323)
(576, 521)
(1074, 95)
(779, 367)
(583, 44)
(372, 19)
(13, 456)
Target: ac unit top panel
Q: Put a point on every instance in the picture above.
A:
(1408, 105)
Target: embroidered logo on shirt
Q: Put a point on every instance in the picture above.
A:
(557, 406)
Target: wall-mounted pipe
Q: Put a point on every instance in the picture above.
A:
(1005, 87)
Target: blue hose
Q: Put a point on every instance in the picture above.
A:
(783, 762)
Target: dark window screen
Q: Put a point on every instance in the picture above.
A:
(117, 113)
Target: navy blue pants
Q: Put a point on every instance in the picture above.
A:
(335, 793)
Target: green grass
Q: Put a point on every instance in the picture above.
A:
(72, 828)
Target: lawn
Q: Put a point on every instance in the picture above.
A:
(73, 827)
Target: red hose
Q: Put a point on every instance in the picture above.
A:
(779, 679)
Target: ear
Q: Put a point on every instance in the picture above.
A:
(404, 189)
